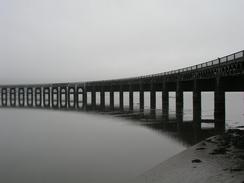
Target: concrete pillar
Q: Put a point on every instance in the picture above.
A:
(55, 97)
(4, 96)
(121, 98)
(165, 102)
(12, 97)
(29, 97)
(111, 98)
(38, 97)
(46, 97)
(21, 95)
(93, 98)
(197, 111)
(75, 97)
(179, 104)
(102, 99)
(219, 106)
(141, 98)
(153, 100)
(84, 98)
(131, 98)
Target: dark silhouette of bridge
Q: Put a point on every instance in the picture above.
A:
(220, 75)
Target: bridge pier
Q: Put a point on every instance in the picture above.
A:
(197, 111)
(75, 97)
(153, 100)
(93, 98)
(219, 106)
(102, 99)
(121, 98)
(131, 98)
(12, 97)
(179, 104)
(141, 98)
(84, 98)
(111, 93)
(4, 97)
(38, 97)
(165, 103)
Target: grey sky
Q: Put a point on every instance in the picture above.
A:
(77, 40)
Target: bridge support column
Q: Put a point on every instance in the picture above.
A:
(111, 98)
(197, 111)
(93, 98)
(179, 105)
(84, 98)
(29, 97)
(131, 98)
(75, 97)
(153, 101)
(12, 97)
(165, 103)
(219, 107)
(141, 98)
(4, 96)
(121, 98)
(102, 99)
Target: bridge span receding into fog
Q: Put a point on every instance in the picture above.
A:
(225, 74)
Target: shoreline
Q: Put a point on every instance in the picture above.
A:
(217, 159)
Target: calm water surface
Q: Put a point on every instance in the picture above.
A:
(46, 146)
(55, 146)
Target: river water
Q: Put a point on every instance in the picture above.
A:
(49, 146)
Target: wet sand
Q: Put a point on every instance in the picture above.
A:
(216, 159)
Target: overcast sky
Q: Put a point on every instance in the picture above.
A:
(79, 40)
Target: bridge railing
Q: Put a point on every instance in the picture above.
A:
(210, 63)
(218, 61)
(214, 62)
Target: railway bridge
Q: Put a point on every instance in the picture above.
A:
(221, 75)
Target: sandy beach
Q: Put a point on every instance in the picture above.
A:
(216, 159)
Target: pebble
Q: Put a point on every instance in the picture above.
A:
(196, 161)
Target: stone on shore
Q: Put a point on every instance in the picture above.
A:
(216, 159)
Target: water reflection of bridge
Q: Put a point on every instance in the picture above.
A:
(220, 75)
